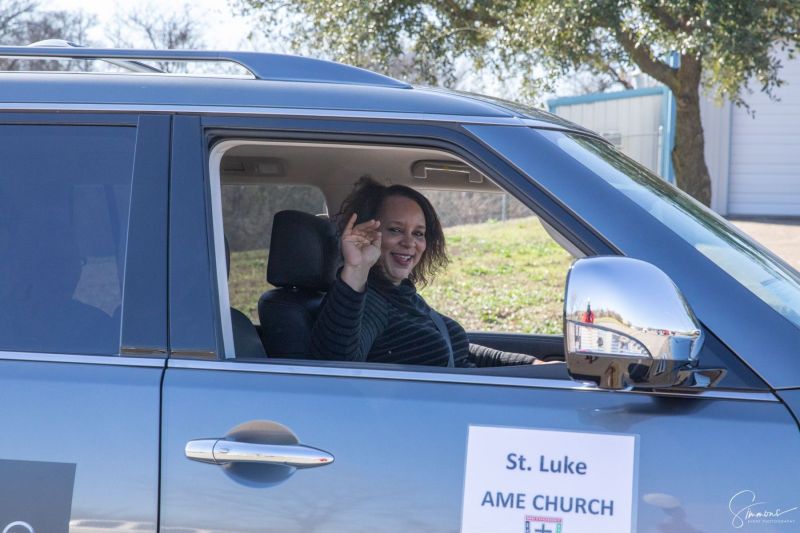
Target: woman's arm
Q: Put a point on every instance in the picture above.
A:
(474, 355)
(344, 329)
(483, 356)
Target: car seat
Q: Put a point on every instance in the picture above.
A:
(302, 265)
(246, 341)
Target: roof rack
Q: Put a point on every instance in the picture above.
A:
(263, 66)
(133, 66)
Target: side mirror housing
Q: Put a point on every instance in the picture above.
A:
(627, 325)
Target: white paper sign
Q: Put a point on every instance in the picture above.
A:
(543, 481)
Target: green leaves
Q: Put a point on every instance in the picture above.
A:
(722, 44)
(421, 40)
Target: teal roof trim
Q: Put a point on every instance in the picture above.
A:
(600, 97)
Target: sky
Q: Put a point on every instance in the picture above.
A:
(223, 29)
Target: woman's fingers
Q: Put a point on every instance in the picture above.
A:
(369, 225)
(357, 240)
(364, 233)
(349, 226)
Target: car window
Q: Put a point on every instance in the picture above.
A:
(64, 202)
(506, 273)
(775, 283)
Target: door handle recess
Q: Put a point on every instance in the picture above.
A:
(222, 452)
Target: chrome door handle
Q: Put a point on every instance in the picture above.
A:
(222, 451)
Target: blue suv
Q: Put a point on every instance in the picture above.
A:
(140, 396)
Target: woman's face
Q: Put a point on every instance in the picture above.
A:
(402, 237)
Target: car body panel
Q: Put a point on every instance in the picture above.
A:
(257, 95)
(400, 448)
(98, 417)
(144, 89)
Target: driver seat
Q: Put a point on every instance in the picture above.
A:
(302, 265)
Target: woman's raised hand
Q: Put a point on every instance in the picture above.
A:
(361, 248)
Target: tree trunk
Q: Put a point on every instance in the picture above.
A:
(688, 155)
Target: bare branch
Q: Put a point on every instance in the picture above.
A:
(618, 77)
(11, 15)
(143, 27)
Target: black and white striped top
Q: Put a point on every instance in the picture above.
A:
(391, 324)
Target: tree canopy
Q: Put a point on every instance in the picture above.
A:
(719, 44)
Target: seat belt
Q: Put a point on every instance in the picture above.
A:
(440, 325)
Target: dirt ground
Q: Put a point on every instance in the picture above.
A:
(782, 236)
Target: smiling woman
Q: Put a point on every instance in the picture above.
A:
(402, 237)
(404, 228)
(391, 240)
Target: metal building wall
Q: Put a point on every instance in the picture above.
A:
(765, 150)
(637, 121)
(753, 161)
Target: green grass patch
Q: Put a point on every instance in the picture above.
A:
(503, 276)
(248, 281)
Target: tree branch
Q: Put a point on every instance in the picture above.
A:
(11, 12)
(669, 22)
(644, 58)
(469, 15)
(619, 77)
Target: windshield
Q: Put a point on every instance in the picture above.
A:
(766, 276)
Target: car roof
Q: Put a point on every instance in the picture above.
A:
(280, 81)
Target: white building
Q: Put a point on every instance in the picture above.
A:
(753, 159)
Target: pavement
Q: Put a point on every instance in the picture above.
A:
(780, 235)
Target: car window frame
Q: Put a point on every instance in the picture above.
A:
(449, 139)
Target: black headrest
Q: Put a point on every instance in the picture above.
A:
(303, 251)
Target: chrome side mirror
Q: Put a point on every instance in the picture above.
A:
(627, 325)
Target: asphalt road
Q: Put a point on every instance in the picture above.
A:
(782, 236)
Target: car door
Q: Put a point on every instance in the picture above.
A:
(82, 320)
(416, 449)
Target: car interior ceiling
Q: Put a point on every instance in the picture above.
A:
(334, 168)
(329, 166)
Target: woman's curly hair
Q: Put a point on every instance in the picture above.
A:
(367, 199)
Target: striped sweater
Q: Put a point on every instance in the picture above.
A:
(391, 324)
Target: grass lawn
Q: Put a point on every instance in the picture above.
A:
(503, 276)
